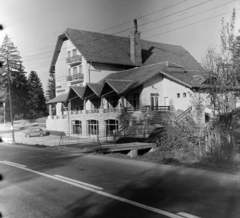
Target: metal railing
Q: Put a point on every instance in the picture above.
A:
(111, 110)
(74, 58)
(92, 111)
(78, 76)
(183, 114)
(156, 108)
(112, 137)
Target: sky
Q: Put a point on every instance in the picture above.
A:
(34, 25)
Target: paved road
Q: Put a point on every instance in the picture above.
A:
(42, 182)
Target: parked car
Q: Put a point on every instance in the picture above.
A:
(35, 132)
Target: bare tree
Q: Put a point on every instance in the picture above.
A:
(222, 91)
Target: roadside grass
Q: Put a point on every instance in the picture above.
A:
(188, 157)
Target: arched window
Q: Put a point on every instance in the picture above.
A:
(92, 127)
(76, 127)
(111, 125)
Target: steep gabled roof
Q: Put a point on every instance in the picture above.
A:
(154, 52)
(119, 85)
(60, 98)
(110, 49)
(92, 89)
(101, 48)
(137, 76)
(123, 81)
(79, 90)
(96, 87)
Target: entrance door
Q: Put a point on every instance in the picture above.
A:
(154, 101)
(166, 103)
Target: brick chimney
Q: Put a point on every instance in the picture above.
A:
(135, 46)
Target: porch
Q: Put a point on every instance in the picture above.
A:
(109, 111)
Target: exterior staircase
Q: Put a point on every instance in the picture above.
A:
(183, 114)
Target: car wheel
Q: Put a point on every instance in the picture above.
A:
(28, 135)
(41, 135)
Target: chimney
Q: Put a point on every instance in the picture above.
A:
(135, 46)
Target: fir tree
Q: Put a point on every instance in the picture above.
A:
(12, 68)
(37, 102)
(51, 87)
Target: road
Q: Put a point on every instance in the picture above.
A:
(43, 182)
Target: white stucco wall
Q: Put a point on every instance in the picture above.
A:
(167, 91)
(154, 86)
(61, 70)
(171, 89)
(71, 47)
(98, 71)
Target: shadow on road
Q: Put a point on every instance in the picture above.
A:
(173, 189)
(196, 194)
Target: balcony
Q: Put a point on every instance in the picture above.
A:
(75, 58)
(78, 76)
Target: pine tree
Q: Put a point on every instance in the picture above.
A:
(37, 102)
(12, 68)
(51, 87)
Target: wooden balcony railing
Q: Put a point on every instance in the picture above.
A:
(74, 58)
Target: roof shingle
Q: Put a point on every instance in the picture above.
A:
(110, 49)
(60, 98)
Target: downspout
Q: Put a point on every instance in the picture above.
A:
(89, 72)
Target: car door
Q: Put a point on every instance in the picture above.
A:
(37, 132)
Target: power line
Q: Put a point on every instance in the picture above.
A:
(190, 24)
(45, 62)
(155, 28)
(117, 25)
(187, 17)
(140, 18)
(144, 16)
(165, 16)
(40, 57)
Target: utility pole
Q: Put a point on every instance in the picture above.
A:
(10, 99)
(4, 112)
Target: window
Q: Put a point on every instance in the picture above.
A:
(96, 103)
(80, 69)
(74, 70)
(92, 127)
(111, 125)
(76, 127)
(112, 101)
(133, 100)
(74, 52)
(60, 90)
(154, 101)
(166, 102)
(69, 71)
(184, 95)
(178, 95)
(69, 54)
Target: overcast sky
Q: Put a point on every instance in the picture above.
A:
(34, 25)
